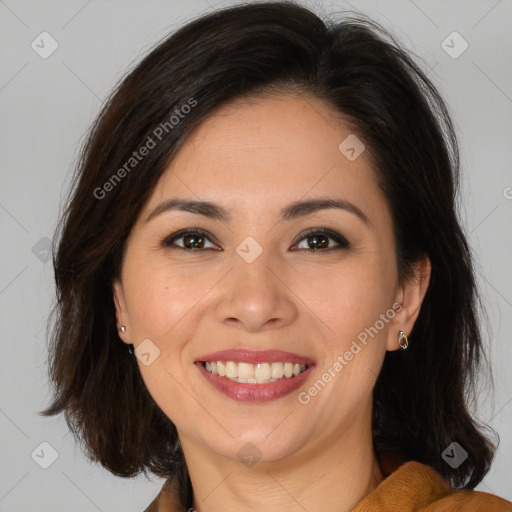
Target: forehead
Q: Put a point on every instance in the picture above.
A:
(266, 152)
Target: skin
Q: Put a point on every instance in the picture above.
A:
(253, 158)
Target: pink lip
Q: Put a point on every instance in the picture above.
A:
(254, 392)
(242, 355)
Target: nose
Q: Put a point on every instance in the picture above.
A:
(255, 296)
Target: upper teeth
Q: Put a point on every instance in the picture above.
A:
(259, 373)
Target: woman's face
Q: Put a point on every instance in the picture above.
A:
(255, 282)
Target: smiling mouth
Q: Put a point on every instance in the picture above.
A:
(259, 373)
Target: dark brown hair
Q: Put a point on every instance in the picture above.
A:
(422, 396)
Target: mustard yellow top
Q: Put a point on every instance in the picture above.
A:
(412, 487)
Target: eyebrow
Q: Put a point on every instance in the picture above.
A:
(292, 211)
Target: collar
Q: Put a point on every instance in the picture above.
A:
(407, 486)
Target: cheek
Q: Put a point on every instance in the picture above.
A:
(161, 302)
(167, 310)
(348, 298)
(354, 302)
(164, 384)
(355, 344)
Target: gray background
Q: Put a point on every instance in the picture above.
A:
(48, 104)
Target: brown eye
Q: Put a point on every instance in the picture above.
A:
(191, 240)
(320, 239)
(316, 240)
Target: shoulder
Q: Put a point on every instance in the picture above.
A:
(470, 501)
(417, 487)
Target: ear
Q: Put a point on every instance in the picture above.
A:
(410, 296)
(121, 312)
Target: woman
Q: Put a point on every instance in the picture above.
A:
(264, 292)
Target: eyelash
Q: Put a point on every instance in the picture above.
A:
(168, 242)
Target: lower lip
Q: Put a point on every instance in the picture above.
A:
(244, 392)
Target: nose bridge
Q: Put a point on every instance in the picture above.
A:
(250, 250)
(255, 292)
(253, 265)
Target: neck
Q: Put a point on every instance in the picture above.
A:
(333, 476)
